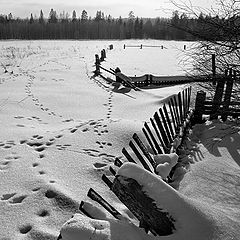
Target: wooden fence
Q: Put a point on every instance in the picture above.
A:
(221, 104)
(137, 82)
(164, 133)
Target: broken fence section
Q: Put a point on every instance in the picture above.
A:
(221, 104)
(164, 134)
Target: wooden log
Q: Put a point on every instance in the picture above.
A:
(139, 156)
(96, 197)
(144, 150)
(199, 107)
(149, 141)
(130, 193)
(156, 145)
(227, 97)
(217, 98)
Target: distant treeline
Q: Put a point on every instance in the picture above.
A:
(99, 27)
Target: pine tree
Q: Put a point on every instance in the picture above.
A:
(52, 16)
(41, 18)
(31, 19)
(84, 15)
(74, 16)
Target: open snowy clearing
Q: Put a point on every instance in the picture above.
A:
(61, 129)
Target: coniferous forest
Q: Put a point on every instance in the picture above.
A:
(66, 26)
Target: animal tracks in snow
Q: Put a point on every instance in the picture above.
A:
(8, 159)
(7, 144)
(13, 198)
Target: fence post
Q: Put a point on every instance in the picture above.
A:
(97, 63)
(104, 53)
(141, 46)
(227, 97)
(199, 107)
(102, 56)
(214, 68)
(217, 98)
(124, 46)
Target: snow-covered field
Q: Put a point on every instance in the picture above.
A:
(61, 128)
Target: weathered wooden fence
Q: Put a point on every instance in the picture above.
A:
(164, 134)
(136, 82)
(142, 45)
(221, 104)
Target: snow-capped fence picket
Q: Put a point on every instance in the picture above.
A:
(164, 135)
(221, 104)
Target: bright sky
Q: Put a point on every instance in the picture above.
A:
(116, 8)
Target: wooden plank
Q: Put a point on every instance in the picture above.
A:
(127, 80)
(175, 114)
(156, 145)
(118, 162)
(161, 129)
(144, 150)
(227, 97)
(139, 156)
(180, 104)
(172, 116)
(217, 98)
(127, 155)
(109, 71)
(112, 170)
(165, 125)
(174, 102)
(81, 208)
(200, 108)
(159, 137)
(107, 180)
(185, 106)
(168, 120)
(144, 208)
(175, 105)
(96, 197)
(149, 141)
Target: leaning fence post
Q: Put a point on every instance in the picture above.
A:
(217, 99)
(199, 107)
(227, 97)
